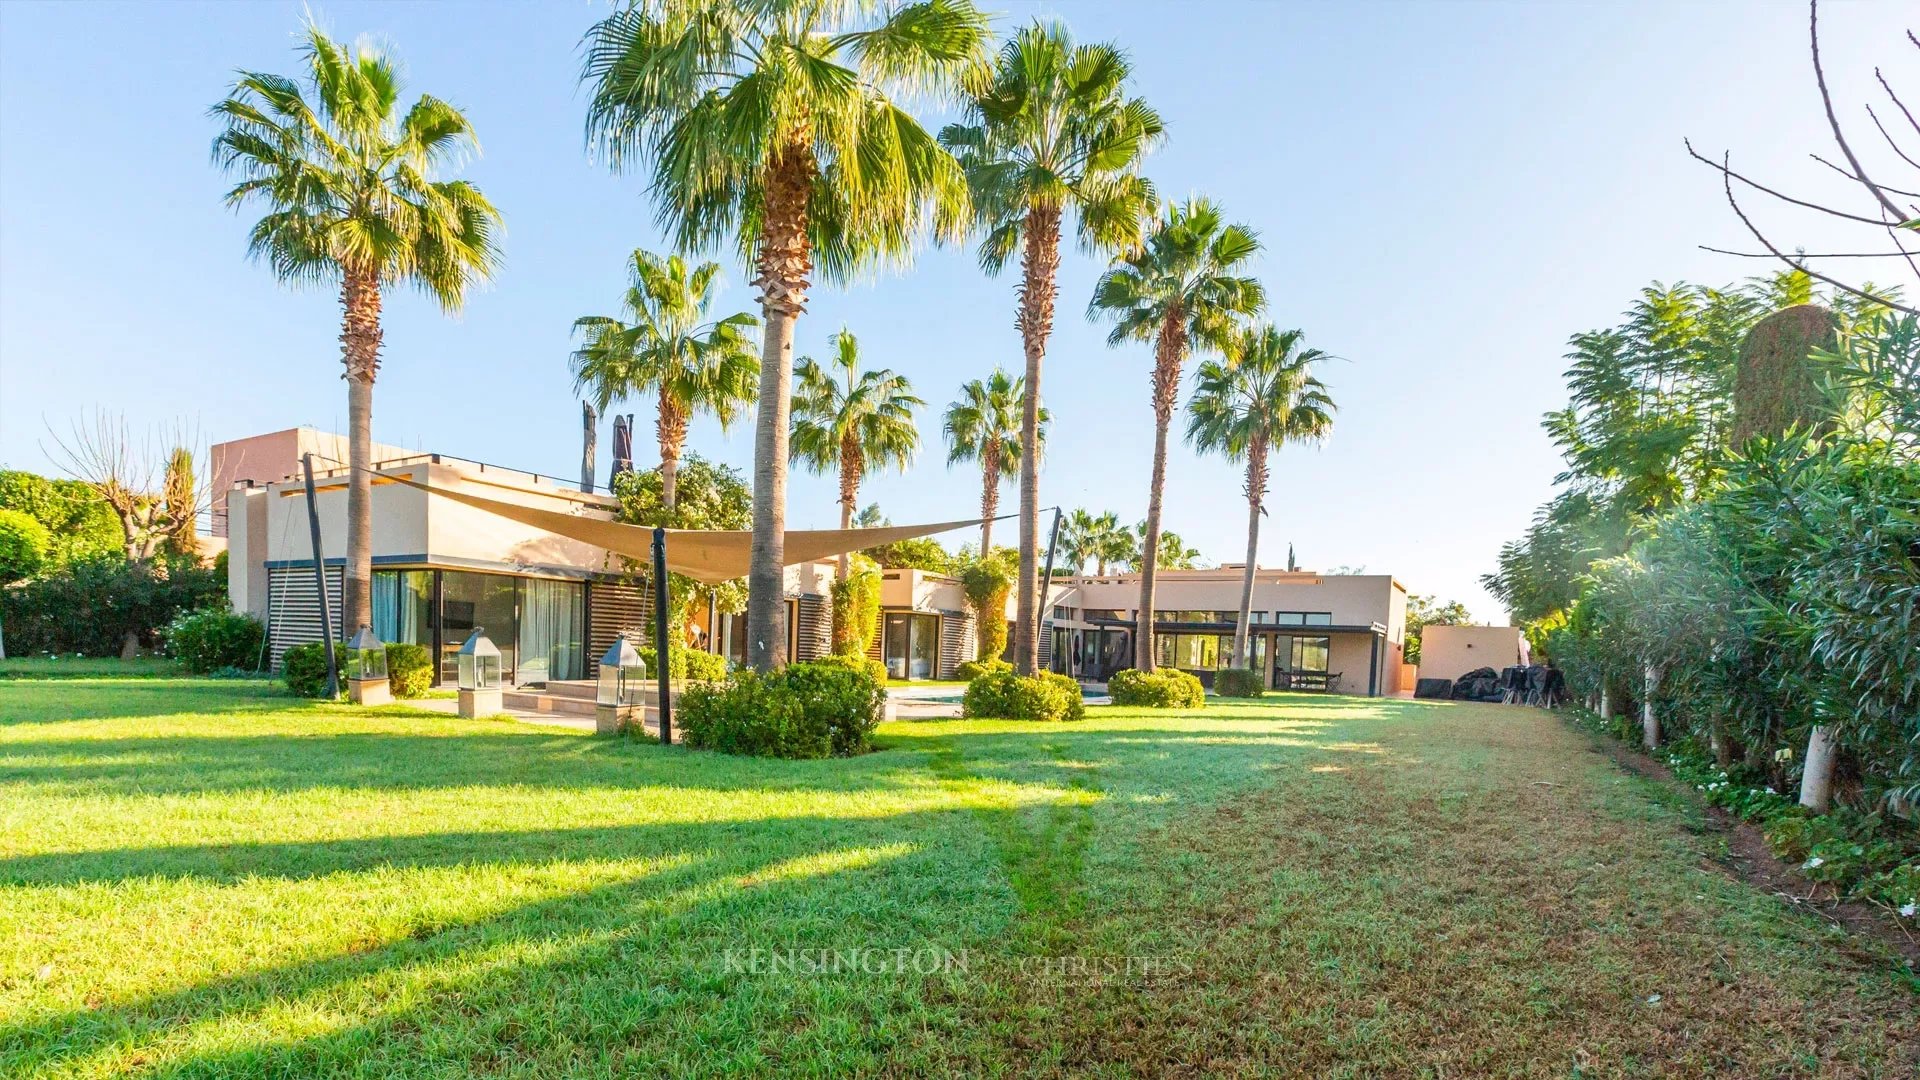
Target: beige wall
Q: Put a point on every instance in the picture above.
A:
(1353, 599)
(273, 457)
(1448, 652)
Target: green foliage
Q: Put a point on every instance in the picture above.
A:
(866, 665)
(409, 669)
(1099, 539)
(800, 711)
(973, 669)
(919, 553)
(1238, 683)
(305, 668)
(851, 420)
(1777, 382)
(1002, 694)
(208, 640)
(986, 583)
(1425, 611)
(78, 521)
(25, 546)
(706, 496)
(89, 606)
(1167, 688)
(856, 608)
(685, 664)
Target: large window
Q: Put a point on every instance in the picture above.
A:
(1301, 653)
(402, 607)
(1192, 652)
(911, 646)
(553, 631)
(1303, 618)
(482, 600)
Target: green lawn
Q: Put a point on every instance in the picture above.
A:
(212, 879)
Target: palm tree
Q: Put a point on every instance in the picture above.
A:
(984, 426)
(1051, 132)
(855, 421)
(1101, 539)
(1180, 289)
(1174, 552)
(771, 128)
(1265, 397)
(666, 345)
(347, 180)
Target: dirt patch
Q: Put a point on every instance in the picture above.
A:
(1749, 859)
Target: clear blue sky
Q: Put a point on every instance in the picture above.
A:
(1446, 191)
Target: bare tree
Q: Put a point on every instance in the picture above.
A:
(148, 480)
(1890, 212)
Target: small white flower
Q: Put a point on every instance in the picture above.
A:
(1814, 863)
(1907, 909)
(1770, 791)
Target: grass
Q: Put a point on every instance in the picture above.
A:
(212, 879)
(87, 667)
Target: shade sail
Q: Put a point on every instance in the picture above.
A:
(704, 555)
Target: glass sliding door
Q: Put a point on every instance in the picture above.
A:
(402, 607)
(468, 600)
(911, 645)
(552, 632)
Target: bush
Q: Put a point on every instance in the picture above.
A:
(25, 546)
(206, 641)
(810, 710)
(986, 582)
(409, 669)
(92, 605)
(305, 667)
(973, 669)
(856, 607)
(1007, 696)
(1238, 683)
(685, 664)
(867, 665)
(1168, 688)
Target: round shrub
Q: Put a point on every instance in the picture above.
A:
(867, 665)
(1238, 683)
(24, 546)
(686, 664)
(809, 710)
(409, 669)
(973, 669)
(305, 668)
(1007, 696)
(206, 641)
(1168, 688)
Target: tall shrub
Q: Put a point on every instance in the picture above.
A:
(987, 582)
(856, 608)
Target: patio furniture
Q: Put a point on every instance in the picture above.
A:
(1328, 682)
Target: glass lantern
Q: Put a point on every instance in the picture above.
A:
(621, 676)
(479, 662)
(366, 658)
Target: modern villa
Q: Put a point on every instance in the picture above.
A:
(553, 605)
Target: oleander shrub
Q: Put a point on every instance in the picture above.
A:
(305, 667)
(1238, 683)
(1006, 696)
(807, 710)
(973, 669)
(866, 665)
(207, 641)
(1168, 688)
(409, 669)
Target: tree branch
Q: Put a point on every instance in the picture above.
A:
(1798, 264)
(1728, 171)
(1833, 121)
(1855, 179)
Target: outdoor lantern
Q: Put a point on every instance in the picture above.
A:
(366, 667)
(478, 675)
(621, 695)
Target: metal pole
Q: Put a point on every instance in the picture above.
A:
(320, 581)
(1040, 614)
(662, 647)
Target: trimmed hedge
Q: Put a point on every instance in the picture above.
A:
(409, 669)
(1238, 683)
(973, 669)
(811, 710)
(212, 640)
(686, 664)
(867, 665)
(1004, 695)
(1168, 688)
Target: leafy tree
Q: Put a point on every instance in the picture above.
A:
(665, 343)
(708, 496)
(851, 420)
(773, 129)
(1182, 288)
(1050, 137)
(984, 425)
(1425, 611)
(24, 546)
(1174, 552)
(986, 583)
(1101, 539)
(1262, 398)
(918, 553)
(348, 183)
(78, 520)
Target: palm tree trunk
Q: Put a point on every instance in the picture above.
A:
(1256, 493)
(851, 465)
(785, 260)
(671, 423)
(989, 497)
(1166, 388)
(360, 351)
(1039, 264)
(1816, 783)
